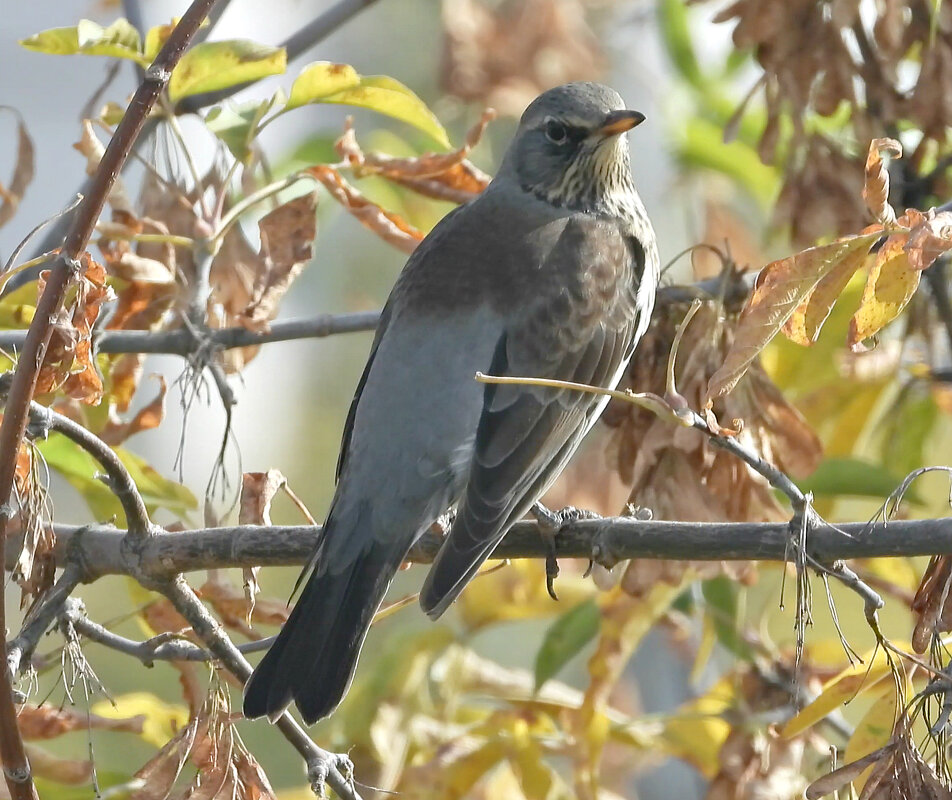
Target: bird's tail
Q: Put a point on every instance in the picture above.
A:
(312, 661)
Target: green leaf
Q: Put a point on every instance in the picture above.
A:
(119, 40)
(323, 82)
(853, 477)
(320, 79)
(237, 125)
(211, 66)
(565, 638)
(702, 146)
(720, 595)
(676, 33)
(156, 489)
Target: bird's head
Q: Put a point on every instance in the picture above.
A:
(569, 149)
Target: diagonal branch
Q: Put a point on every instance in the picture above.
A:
(16, 766)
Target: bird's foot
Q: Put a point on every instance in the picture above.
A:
(550, 523)
(318, 767)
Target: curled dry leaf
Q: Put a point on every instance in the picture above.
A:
(390, 227)
(160, 772)
(932, 604)
(254, 508)
(68, 364)
(442, 176)
(48, 722)
(876, 186)
(781, 288)
(23, 172)
(231, 605)
(92, 150)
(931, 236)
(146, 418)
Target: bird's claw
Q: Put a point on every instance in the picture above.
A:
(550, 523)
(319, 766)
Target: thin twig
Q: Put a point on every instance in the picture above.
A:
(40, 618)
(43, 420)
(322, 766)
(65, 267)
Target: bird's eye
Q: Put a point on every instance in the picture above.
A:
(555, 132)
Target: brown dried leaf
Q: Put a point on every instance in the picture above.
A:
(253, 783)
(146, 418)
(932, 604)
(48, 722)
(388, 226)
(230, 604)
(257, 492)
(889, 287)
(442, 176)
(781, 287)
(159, 773)
(23, 172)
(929, 239)
(840, 777)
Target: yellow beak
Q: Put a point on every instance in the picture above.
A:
(620, 121)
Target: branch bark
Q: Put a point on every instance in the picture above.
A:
(16, 765)
(98, 550)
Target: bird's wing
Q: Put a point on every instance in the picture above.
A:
(584, 333)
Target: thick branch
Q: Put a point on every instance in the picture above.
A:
(67, 263)
(99, 551)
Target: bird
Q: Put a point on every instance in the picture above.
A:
(551, 272)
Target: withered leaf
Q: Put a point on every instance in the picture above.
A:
(231, 605)
(876, 186)
(257, 492)
(253, 783)
(160, 772)
(92, 150)
(23, 171)
(390, 227)
(48, 722)
(929, 239)
(146, 418)
(841, 776)
(781, 287)
(889, 287)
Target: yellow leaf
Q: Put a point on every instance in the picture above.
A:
(210, 66)
(162, 720)
(891, 284)
(851, 682)
(320, 79)
(119, 40)
(781, 288)
(805, 323)
(874, 730)
(697, 730)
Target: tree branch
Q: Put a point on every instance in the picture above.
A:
(321, 765)
(67, 264)
(98, 549)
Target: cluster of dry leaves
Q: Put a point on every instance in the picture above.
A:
(820, 58)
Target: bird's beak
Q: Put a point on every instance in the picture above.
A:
(620, 121)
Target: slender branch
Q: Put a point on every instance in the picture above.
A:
(40, 618)
(98, 549)
(937, 278)
(67, 264)
(43, 419)
(322, 766)
(298, 43)
(164, 647)
(183, 342)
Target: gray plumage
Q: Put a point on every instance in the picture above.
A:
(551, 272)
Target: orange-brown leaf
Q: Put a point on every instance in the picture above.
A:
(890, 285)
(388, 226)
(159, 773)
(781, 287)
(23, 171)
(48, 722)
(929, 239)
(145, 419)
(876, 187)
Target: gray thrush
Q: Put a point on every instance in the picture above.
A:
(550, 273)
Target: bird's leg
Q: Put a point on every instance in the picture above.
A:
(318, 766)
(550, 523)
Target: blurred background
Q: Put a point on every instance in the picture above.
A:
(703, 169)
